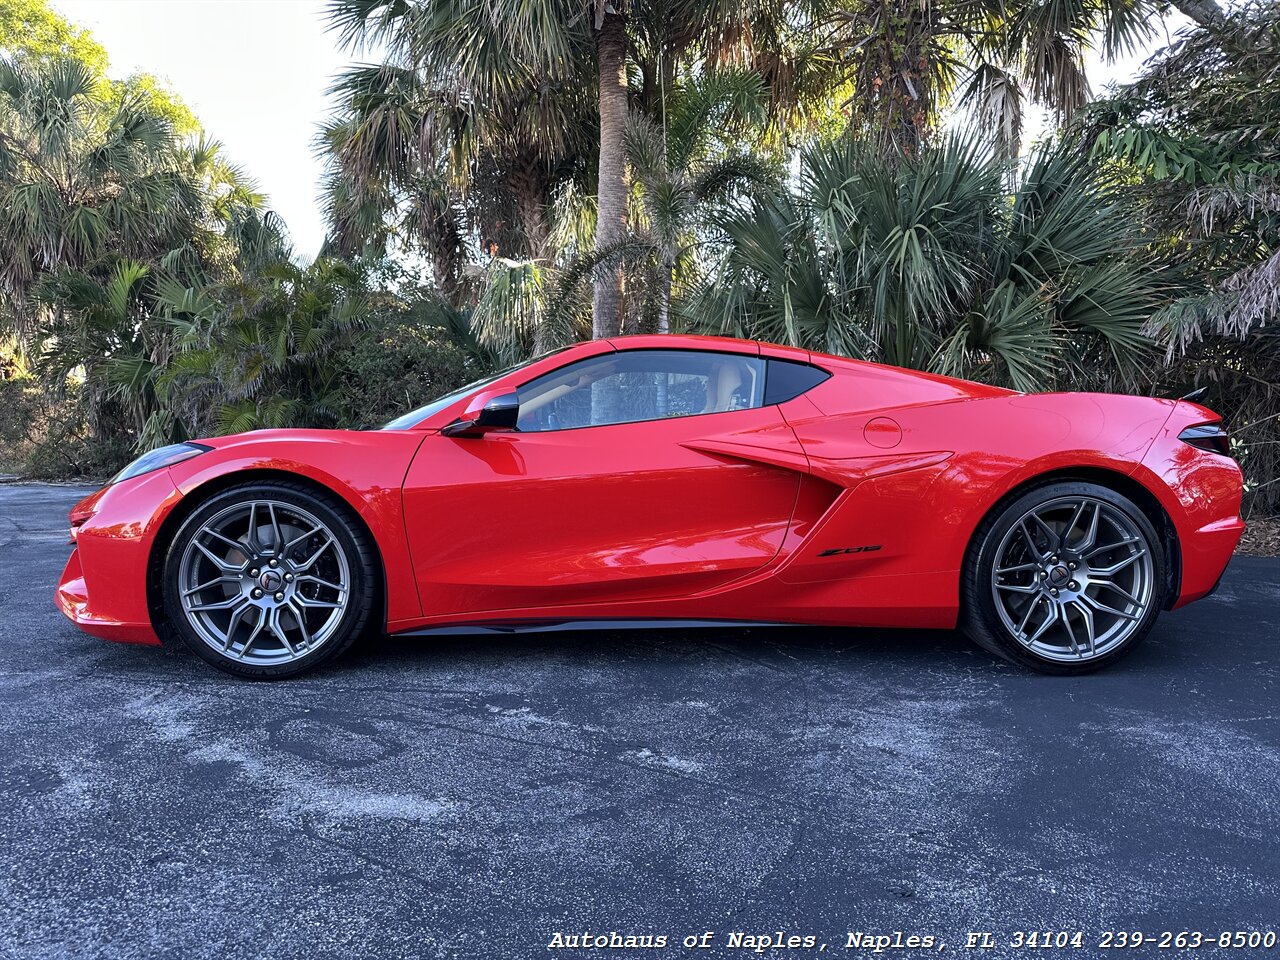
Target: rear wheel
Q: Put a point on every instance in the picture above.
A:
(269, 580)
(1066, 578)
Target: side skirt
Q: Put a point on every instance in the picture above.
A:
(493, 627)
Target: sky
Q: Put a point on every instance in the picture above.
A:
(255, 73)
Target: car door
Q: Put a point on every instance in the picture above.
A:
(642, 474)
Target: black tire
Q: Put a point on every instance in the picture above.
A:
(983, 617)
(343, 624)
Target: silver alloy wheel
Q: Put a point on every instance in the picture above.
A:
(1073, 578)
(264, 582)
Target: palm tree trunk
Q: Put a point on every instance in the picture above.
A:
(611, 221)
(529, 188)
(1207, 13)
(444, 245)
(664, 306)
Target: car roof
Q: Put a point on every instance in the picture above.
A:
(689, 341)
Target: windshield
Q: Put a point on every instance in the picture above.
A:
(414, 417)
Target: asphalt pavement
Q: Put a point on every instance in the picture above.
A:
(475, 797)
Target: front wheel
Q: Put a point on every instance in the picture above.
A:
(1066, 578)
(268, 580)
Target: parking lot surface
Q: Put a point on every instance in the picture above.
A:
(472, 797)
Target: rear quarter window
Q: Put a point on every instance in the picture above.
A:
(787, 379)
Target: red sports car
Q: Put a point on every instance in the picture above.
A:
(672, 480)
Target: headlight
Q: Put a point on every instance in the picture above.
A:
(160, 457)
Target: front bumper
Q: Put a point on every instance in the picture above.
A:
(103, 588)
(72, 598)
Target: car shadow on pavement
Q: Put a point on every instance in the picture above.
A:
(781, 647)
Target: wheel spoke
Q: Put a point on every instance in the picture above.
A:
(1018, 568)
(1112, 585)
(257, 629)
(1071, 634)
(311, 561)
(1091, 534)
(300, 616)
(219, 562)
(211, 583)
(252, 535)
(1119, 565)
(276, 533)
(312, 578)
(1026, 617)
(277, 628)
(234, 544)
(1087, 616)
(1049, 621)
(318, 604)
(228, 604)
(236, 619)
(1105, 548)
(1018, 588)
(1071, 524)
(1101, 607)
(1031, 541)
(1055, 541)
(298, 539)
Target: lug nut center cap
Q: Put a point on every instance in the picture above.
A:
(271, 581)
(1059, 575)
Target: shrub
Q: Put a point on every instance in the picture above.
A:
(46, 437)
(395, 367)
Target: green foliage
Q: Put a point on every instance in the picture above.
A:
(156, 98)
(684, 169)
(397, 365)
(82, 180)
(906, 61)
(1197, 139)
(101, 341)
(31, 27)
(1199, 133)
(464, 144)
(262, 350)
(22, 412)
(926, 263)
(784, 181)
(49, 438)
(104, 210)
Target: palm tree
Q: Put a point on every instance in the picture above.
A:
(906, 60)
(81, 179)
(462, 145)
(611, 176)
(1197, 136)
(688, 160)
(925, 262)
(1206, 156)
(106, 338)
(514, 73)
(261, 349)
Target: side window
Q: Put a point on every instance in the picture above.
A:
(635, 385)
(787, 379)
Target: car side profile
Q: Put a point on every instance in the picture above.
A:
(672, 480)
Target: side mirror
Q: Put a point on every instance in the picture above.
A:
(500, 413)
